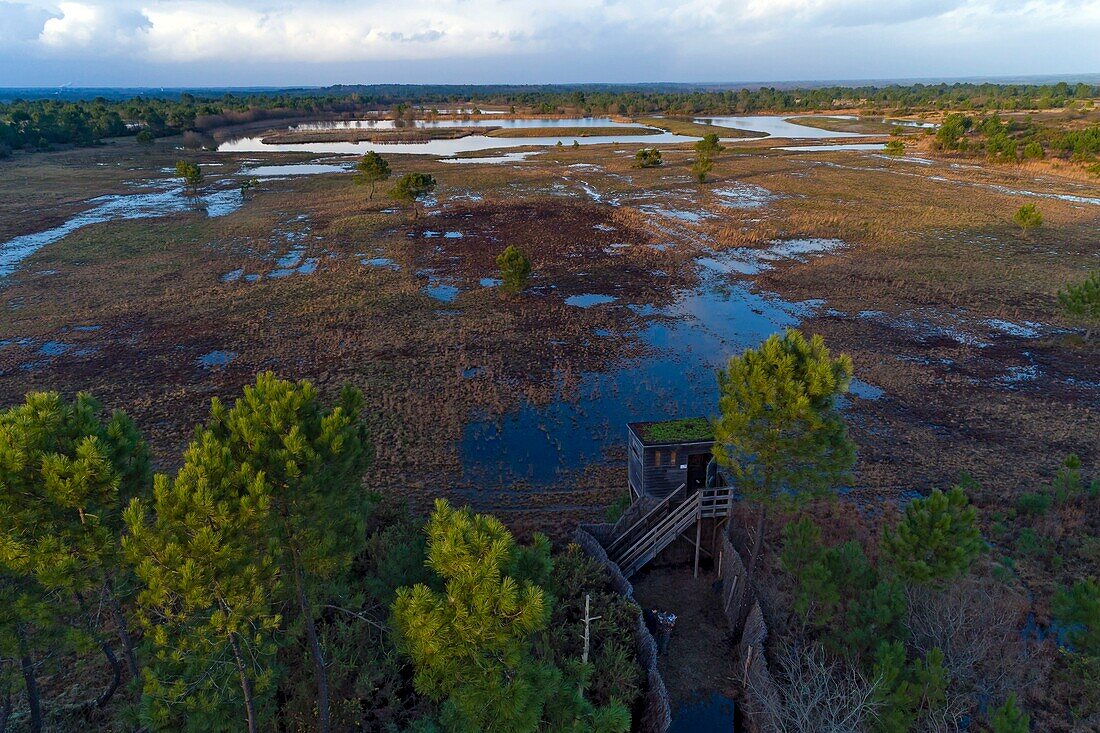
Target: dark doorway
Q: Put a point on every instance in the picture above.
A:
(697, 471)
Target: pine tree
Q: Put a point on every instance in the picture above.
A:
(936, 540)
(701, 167)
(312, 460)
(1078, 609)
(469, 644)
(1082, 301)
(907, 691)
(515, 268)
(412, 187)
(372, 169)
(1027, 217)
(210, 584)
(839, 593)
(190, 173)
(29, 624)
(64, 474)
(780, 432)
(1009, 718)
(709, 145)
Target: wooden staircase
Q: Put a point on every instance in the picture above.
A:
(643, 540)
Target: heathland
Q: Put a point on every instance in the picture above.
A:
(509, 391)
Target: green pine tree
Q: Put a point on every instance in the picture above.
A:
(371, 169)
(515, 268)
(190, 173)
(936, 540)
(1028, 217)
(1078, 609)
(469, 644)
(1082, 301)
(64, 475)
(907, 691)
(1009, 718)
(780, 431)
(312, 459)
(701, 167)
(209, 570)
(411, 188)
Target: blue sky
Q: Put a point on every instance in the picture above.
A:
(253, 42)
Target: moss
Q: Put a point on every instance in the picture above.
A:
(685, 430)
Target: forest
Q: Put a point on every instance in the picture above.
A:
(260, 587)
(40, 123)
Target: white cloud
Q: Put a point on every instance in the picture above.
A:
(103, 29)
(21, 22)
(719, 39)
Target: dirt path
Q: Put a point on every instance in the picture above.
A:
(697, 667)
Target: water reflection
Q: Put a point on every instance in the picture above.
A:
(688, 340)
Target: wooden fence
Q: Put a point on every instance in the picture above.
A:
(656, 715)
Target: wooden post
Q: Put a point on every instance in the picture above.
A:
(698, 537)
(719, 563)
(587, 621)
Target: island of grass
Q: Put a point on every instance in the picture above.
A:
(686, 126)
(681, 430)
(593, 131)
(357, 135)
(863, 125)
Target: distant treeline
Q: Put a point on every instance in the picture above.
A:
(41, 123)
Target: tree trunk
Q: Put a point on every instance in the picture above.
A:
(755, 555)
(29, 679)
(123, 632)
(116, 676)
(246, 684)
(314, 647)
(116, 668)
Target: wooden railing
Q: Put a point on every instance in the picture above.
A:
(662, 525)
(648, 520)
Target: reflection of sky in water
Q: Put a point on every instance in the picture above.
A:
(692, 338)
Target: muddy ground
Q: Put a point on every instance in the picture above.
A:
(940, 301)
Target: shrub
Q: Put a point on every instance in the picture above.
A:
(515, 268)
(190, 173)
(647, 158)
(1082, 300)
(894, 147)
(701, 167)
(1033, 503)
(1027, 217)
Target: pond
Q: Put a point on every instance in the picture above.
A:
(513, 124)
(828, 148)
(448, 148)
(774, 126)
(688, 341)
(769, 126)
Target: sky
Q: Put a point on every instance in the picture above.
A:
(293, 42)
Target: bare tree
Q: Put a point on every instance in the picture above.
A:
(974, 622)
(812, 693)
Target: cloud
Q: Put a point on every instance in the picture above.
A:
(20, 22)
(103, 29)
(568, 40)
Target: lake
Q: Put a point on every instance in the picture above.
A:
(770, 126)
